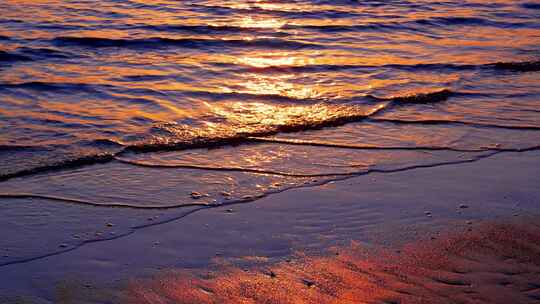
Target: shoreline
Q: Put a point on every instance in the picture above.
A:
(380, 209)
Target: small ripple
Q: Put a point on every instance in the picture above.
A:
(49, 86)
(60, 165)
(430, 97)
(531, 5)
(44, 53)
(204, 29)
(519, 66)
(471, 21)
(12, 57)
(526, 66)
(456, 122)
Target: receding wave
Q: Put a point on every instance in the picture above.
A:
(236, 130)
(315, 143)
(330, 144)
(456, 122)
(239, 127)
(225, 168)
(158, 42)
(90, 203)
(263, 120)
(53, 166)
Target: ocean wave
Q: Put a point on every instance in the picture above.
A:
(241, 128)
(519, 66)
(410, 25)
(236, 128)
(205, 29)
(158, 42)
(430, 97)
(471, 21)
(172, 136)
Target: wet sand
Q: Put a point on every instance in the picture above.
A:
(426, 213)
(494, 263)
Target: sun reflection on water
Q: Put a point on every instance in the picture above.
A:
(267, 23)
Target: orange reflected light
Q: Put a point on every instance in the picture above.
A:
(256, 115)
(278, 85)
(271, 23)
(275, 59)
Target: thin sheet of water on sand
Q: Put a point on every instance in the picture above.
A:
(373, 209)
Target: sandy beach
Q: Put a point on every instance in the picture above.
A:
(436, 207)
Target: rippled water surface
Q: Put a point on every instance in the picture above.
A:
(160, 104)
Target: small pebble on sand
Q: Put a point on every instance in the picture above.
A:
(196, 195)
(309, 283)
